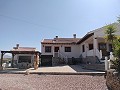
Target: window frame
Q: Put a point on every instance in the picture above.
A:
(48, 49)
(90, 46)
(67, 49)
(83, 48)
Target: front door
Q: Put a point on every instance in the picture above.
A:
(56, 49)
(103, 47)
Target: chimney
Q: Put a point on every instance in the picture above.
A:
(74, 35)
(17, 46)
(56, 37)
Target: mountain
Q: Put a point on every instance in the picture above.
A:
(7, 56)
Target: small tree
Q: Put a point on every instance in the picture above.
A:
(115, 40)
(118, 19)
(116, 51)
(110, 30)
(116, 44)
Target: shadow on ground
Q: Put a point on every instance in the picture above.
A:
(78, 68)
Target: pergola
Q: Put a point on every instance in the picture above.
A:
(36, 53)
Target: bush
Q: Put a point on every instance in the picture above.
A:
(116, 64)
(116, 51)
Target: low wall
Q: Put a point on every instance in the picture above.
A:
(90, 59)
(99, 67)
(113, 80)
(1, 68)
(72, 61)
(57, 61)
(24, 65)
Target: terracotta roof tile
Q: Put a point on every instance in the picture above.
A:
(61, 40)
(24, 49)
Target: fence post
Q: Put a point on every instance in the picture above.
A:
(100, 54)
(106, 63)
(111, 56)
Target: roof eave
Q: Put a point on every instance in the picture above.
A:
(85, 37)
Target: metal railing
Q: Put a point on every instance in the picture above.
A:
(99, 53)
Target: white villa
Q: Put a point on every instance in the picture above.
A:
(89, 49)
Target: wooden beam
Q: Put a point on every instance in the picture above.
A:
(12, 60)
(1, 59)
(21, 52)
(2, 54)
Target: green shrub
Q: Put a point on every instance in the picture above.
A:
(116, 64)
(116, 51)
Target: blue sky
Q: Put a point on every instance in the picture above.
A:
(27, 22)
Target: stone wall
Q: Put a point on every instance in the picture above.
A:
(91, 60)
(113, 80)
(57, 61)
(24, 65)
(1, 68)
(99, 67)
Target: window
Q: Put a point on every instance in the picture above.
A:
(47, 49)
(102, 46)
(83, 48)
(67, 49)
(90, 46)
(56, 49)
(24, 59)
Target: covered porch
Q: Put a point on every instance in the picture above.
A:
(36, 54)
(94, 46)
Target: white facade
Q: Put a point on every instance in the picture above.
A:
(75, 50)
(94, 51)
(96, 38)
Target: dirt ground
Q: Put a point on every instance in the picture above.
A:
(51, 82)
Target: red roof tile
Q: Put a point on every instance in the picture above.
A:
(61, 40)
(24, 49)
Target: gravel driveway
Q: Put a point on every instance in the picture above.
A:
(51, 82)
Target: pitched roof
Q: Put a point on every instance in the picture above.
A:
(60, 41)
(85, 37)
(24, 49)
(100, 30)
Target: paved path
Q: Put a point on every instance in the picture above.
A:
(66, 68)
(75, 69)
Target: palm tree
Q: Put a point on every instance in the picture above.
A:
(118, 19)
(110, 30)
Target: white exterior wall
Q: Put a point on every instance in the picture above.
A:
(43, 49)
(75, 50)
(86, 44)
(90, 53)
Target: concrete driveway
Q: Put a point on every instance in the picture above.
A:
(63, 70)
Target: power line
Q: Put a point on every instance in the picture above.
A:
(21, 20)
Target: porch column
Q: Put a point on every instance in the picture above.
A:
(1, 59)
(36, 61)
(53, 51)
(12, 60)
(95, 44)
(86, 49)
